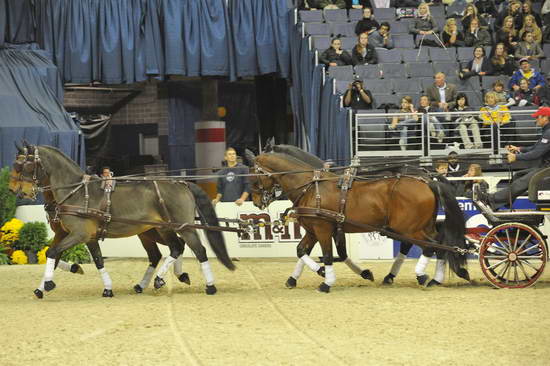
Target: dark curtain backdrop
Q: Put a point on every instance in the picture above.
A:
(185, 102)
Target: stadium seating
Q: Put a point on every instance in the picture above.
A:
(416, 55)
(341, 72)
(420, 69)
(390, 71)
(440, 54)
(311, 15)
(355, 14)
(384, 14)
(405, 86)
(377, 86)
(336, 15)
(390, 56)
(367, 71)
(317, 29)
(321, 43)
(342, 29)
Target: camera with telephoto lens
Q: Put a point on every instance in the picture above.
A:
(358, 84)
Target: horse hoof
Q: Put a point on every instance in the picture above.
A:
(211, 290)
(39, 294)
(49, 285)
(463, 273)
(367, 275)
(323, 287)
(433, 283)
(321, 272)
(108, 293)
(291, 282)
(138, 289)
(422, 279)
(388, 280)
(159, 282)
(75, 268)
(184, 277)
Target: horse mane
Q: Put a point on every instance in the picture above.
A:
(68, 160)
(293, 160)
(299, 154)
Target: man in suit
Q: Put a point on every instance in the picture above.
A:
(442, 94)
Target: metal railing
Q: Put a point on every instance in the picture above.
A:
(437, 134)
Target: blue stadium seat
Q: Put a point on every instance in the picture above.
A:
(406, 85)
(317, 29)
(320, 43)
(474, 98)
(420, 69)
(414, 96)
(465, 53)
(390, 71)
(449, 68)
(367, 71)
(426, 81)
(470, 84)
(355, 15)
(440, 54)
(343, 29)
(348, 42)
(380, 99)
(336, 15)
(546, 49)
(487, 81)
(341, 72)
(311, 15)
(391, 56)
(415, 55)
(399, 27)
(384, 14)
(545, 64)
(377, 86)
(341, 86)
(403, 41)
(437, 11)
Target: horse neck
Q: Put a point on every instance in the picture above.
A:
(60, 170)
(290, 182)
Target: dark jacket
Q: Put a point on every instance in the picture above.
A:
(357, 101)
(341, 4)
(486, 7)
(481, 38)
(518, 19)
(370, 56)
(540, 150)
(231, 183)
(503, 37)
(507, 68)
(365, 25)
(528, 95)
(423, 24)
(486, 65)
(446, 38)
(544, 95)
(330, 55)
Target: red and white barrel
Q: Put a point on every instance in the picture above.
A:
(209, 150)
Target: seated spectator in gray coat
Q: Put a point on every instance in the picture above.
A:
(476, 36)
(335, 55)
(363, 53)
(331, 4)
(528, 48)
(442, 95)
(424, 27)
(382, 37)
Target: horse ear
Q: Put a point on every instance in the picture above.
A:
(18, 147)
(269, 145)
(249, 156)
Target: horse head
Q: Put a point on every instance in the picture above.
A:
(25, 171)
(264, 189)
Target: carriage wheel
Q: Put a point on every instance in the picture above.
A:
(513, 255)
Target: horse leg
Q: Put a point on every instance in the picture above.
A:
(323, 233)
(421, 265)
(404, 249)
(175, 252)
(439, 275)
(178, 265)
(52, 255)
(95, 251)
(343, 254)
(61, 264)
(303, 250)
(154, 255)
(192, 239)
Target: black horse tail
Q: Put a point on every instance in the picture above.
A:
(208, 217)
(454, 227)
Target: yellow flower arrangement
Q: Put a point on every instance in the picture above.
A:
(19, 257)
(10, 231)
(41, 255)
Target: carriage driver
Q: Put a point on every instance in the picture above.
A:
(540, 151)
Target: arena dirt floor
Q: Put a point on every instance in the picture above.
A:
(255, 320)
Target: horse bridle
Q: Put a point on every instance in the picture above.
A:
(29, 164)
(268, 195)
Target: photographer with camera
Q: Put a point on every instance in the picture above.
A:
(357, 97)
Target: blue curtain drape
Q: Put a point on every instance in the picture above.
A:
(20, 21)
(3, 22)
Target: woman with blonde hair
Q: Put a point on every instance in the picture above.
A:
(513, 10)
(471, 13)
(530, 25)
(406, 122)
(493, 113)
(474, 170)
(425, 26)
(450, 35)
(527, 9)
(508, 34)
(501, 62)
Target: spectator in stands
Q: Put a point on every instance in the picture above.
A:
(476, 36)
(442, 95)
(442, 167)
(335, 55)
(470, 14)
(108, 184)
(453, 167)
(357, 97)
(358, 4)
(486, 8)
(513, 10)
(501, 62)
(527, 8)
(451, 36)
(465, 187)
(367, 24)
(405, 123)
(232, 185)
(528, 48)
(478, 66)
(492, 112)
(530, 25)
(525, 96)
(331, 4)
(508, 34)
(434, 125)
(536, 80)
(502, 96)
(424, 25)
(467, 122)
(545, 13)
(382, 37)
(455, 8)
(363, 53)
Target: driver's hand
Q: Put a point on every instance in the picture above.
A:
(239, 202)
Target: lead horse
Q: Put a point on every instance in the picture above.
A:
(401, 205)
(135, 208)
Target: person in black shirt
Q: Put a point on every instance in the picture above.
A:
(367, 24)
(363, 53)
(335, 55)
(357, 97)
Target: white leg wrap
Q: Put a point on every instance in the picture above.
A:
(107, 283)
(440, 270)
(48, 272)
(298, 269)
(41, 287)
(354, 267)
(207, 273)
(147, 277)
(178, 266)
(396, 266)
(166, 266)
(421, 265)
(64, 266)
(314, 266)
(330, 276)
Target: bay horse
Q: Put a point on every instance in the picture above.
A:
(136, 208)
(406, 205)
